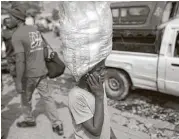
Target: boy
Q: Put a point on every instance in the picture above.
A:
(88, 106)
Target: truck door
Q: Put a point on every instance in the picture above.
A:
(172, 67)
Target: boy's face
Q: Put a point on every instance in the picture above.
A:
(99, 72)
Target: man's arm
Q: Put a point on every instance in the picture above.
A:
(20, 61)
(20, 68)
(94, 125)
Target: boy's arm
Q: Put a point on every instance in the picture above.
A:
(94, 125)
(81, 111)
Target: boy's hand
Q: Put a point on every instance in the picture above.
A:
(95, 85)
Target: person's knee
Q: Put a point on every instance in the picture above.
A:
(47, 97)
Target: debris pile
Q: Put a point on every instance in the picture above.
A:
(150, 107)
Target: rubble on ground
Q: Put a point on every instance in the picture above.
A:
(151, 107)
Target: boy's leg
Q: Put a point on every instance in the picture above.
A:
(50, 105)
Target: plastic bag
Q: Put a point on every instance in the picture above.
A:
(86, 34)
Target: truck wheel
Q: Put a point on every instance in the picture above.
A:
(117, 84)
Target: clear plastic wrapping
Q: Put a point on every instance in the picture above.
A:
(86, 34)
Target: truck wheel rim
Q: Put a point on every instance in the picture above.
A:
(114, 84)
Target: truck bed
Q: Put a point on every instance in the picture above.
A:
(141, 67)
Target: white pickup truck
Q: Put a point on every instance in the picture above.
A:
(158, 72)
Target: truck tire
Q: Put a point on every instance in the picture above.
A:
(117, 84)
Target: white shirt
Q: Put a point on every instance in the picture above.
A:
(82, 108)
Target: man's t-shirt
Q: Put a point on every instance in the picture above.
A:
(28, 40)
(82, 108)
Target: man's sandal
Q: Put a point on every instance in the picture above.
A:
(58, 129)
(24, 124)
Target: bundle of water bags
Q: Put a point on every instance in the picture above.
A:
(86, 34)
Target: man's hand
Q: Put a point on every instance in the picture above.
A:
(95, 85)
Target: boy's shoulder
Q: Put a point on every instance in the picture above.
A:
(75, 93)
(78, 94)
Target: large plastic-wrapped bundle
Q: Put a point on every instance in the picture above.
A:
(86, 34)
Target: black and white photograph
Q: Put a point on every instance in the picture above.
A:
(90, 69)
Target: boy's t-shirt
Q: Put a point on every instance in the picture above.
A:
(28, 40)
(82, 108)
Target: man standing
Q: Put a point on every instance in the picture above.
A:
(31, 70)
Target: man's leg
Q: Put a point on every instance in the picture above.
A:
(50, 105)
(26, 97)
